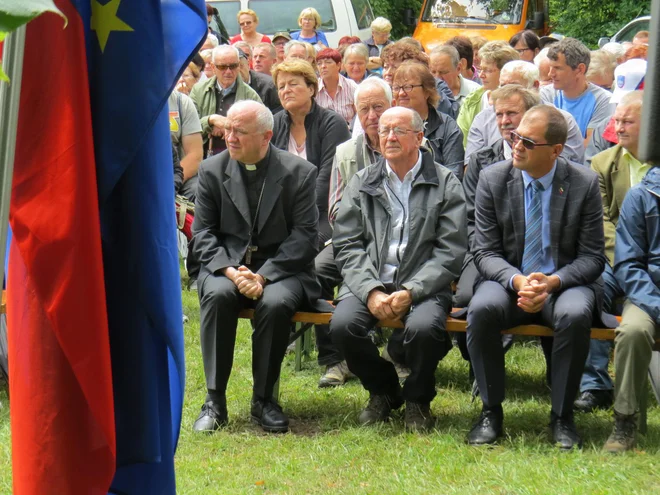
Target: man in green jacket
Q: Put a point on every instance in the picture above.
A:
(215, 96)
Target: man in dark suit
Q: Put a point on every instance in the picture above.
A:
(255, 239)
(539, 249)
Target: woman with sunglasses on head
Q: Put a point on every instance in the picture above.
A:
(309, 21)
(414, 87)
(308, 130)
(248, 21)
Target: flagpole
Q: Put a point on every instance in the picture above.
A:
(10, 96)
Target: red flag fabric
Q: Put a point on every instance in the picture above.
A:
(62, 411)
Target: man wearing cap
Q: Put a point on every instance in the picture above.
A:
(280, 39)
(570, 90)
(215, 96)
(618, 169)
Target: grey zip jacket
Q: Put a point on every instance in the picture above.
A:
(437, 241)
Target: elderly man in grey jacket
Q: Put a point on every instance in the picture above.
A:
(400, 238)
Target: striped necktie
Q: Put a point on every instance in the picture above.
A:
(533, 254)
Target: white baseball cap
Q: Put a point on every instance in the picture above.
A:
(629, 76)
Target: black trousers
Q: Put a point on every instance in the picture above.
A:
(329, 277)
(420, 345)
(220, 302)
(569, 313)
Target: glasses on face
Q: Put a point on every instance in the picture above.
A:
(398, 131)
(377, 107)
(407, 88)
(245, 23)
(526, 142)
(224, 67)
(279, 43)
(308, 19)
(483, 70)
(522, 50)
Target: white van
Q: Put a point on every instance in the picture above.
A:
(339, 18)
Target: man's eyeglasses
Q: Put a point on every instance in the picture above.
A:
(224, 67)
(522, 50)
(377, 107)
(398, 131)
(526, 142)
(406, 88)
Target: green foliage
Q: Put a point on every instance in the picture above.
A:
(15, 13)
(393, 11)
(588, 20)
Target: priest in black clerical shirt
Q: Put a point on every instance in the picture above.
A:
(254, 239)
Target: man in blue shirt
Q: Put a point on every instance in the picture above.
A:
(539, 248)
(587, 103)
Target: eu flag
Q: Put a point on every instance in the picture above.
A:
(135, 52)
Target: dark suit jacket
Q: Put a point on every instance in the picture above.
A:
(576, 225)
(265, 88)
(287, 219)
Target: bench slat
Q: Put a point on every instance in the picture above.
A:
(453, 325)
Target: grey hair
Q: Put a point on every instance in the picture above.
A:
(263, 116)
(213, 39)
(293, 43)
(416, 122)
(244, 44)
(381, 25)
(225, 48)
(602, 63)
(574, 51)
(370, 83)
(616, 49)
(527, 70)
(359, 49)
(450, 51)
(541, 57)
(634, 98)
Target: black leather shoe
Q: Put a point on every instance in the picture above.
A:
(269, 415)
(379, 408)
(564, 434)
(590, 400)
(418, 417)
(212, 417)
(487, 429)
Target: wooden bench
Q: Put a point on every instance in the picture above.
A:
(304, 322)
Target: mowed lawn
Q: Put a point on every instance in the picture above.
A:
(327, 452)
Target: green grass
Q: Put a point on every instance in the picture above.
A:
(326, 451)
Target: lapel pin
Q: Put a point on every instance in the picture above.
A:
(561, 190)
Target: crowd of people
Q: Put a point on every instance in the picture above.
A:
(499, 177)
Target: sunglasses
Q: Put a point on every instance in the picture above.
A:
(526, 142)
(224, 67)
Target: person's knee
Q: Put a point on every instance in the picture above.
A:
(485, 312)
(218, 293)
(277, 303)
(344, 326)
(574, 317)
(630, 336)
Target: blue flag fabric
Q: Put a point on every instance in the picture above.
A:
(136, 51)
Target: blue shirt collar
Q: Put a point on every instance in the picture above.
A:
(546, 180)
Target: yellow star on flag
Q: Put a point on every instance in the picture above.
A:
(105, 20)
